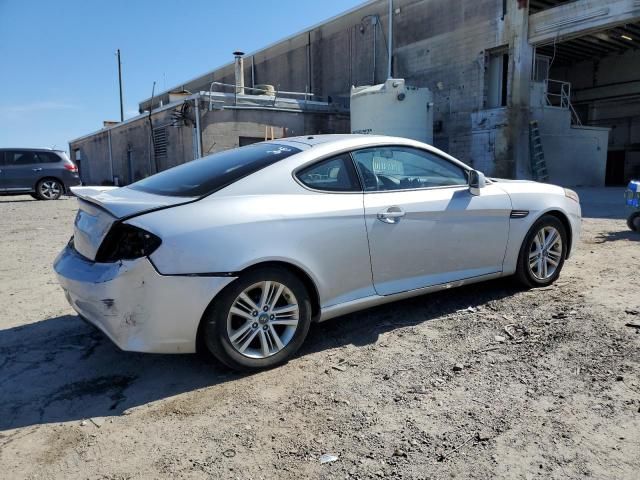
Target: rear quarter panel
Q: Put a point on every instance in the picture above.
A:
(323, 234)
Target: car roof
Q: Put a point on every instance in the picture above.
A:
(343, 140)
(23, 149)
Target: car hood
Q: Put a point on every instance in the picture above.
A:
(526, 186)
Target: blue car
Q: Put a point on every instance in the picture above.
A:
(632, 197)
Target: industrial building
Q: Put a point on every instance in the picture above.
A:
(491, 67)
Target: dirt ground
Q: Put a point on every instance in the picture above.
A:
(486, 381)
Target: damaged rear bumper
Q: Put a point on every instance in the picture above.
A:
(136, 307)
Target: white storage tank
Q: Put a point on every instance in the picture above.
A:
(393, 108)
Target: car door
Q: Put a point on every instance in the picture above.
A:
(48, 164)
(18, 171)
(424, 225)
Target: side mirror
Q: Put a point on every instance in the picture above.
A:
(476, 182)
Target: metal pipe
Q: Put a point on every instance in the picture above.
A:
(239, 70)
(374, 21)
(390, 65)
(110, 155)
(253, 72)
(120, 85)
(196, 101)
(308, 89)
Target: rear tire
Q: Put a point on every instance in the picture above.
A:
(259, 321)
(34, 196)
(542, 253)
(49, 189)
(634, 221)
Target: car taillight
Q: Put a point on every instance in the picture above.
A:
(126, 242)
(71, 167)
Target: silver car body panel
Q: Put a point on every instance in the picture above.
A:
(446, 234)
(137, 308)
(448, 237)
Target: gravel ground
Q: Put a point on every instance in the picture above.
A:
(486, 381)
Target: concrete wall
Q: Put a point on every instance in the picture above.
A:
(575, 156)
(439, 44)
(221, 130)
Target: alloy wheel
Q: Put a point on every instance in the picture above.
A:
(50, 189)
(263, 319)
(545, 253)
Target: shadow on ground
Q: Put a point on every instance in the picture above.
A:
(61, 369)
(616, 236)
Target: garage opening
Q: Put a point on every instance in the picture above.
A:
(600, 75)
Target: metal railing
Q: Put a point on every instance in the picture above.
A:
(262, 91)
(558, 94)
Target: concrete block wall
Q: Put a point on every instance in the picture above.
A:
(341, 51)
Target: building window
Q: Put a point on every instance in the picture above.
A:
(244, 141)
(497, 75)
(160, 141)
(541, 68)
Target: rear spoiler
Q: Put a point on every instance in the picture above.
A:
(124, 203)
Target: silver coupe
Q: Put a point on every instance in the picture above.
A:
(241, 250)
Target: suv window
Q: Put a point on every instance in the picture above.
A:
(334, 174)
(405, 168)
(209, 174)
(47, 157)
(19, 158)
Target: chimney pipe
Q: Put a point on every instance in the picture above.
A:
(239, 72)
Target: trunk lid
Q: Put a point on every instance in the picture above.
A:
(101, 207)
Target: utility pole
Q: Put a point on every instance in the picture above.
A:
(120, 85)
(390, 64)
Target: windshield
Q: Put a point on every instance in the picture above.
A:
(204, 176)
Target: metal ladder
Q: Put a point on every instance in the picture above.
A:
(536, 154)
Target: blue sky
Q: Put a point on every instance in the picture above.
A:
(58, 78)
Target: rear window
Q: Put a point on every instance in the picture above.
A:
(209, 174)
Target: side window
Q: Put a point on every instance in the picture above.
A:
(334, 174)
(404, 168)
(19, 158)
(46, 157)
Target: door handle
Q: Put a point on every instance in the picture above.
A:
(391, 215)
(36, 169)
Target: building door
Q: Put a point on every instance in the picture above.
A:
(615, 168)
(496, 78)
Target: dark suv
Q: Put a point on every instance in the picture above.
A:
(42, 173)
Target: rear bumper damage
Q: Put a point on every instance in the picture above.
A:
(136, 307)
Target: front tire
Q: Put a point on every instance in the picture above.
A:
(259, 321)
(542, 253)
(49, 189)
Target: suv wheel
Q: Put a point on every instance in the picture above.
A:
(49, 189)
(259, 321)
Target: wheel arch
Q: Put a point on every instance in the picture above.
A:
(564, 219)
(299, 272)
